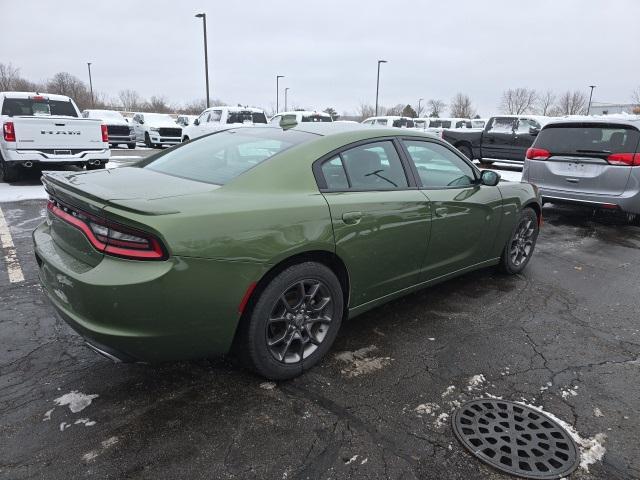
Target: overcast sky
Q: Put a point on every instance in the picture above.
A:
(328, 49)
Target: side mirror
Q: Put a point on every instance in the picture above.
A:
(141, 122)
(489, 178)
(196, 121)
(534, 131)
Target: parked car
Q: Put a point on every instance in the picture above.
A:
(390, 121)
(118, 129)
(478, 122)
(185, 120)
(300, 117)
(593, 162)
(505, 138)
(268, 235)
(221, 118)
(42, 129)
(156, 129)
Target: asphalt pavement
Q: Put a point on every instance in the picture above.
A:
(564, 335)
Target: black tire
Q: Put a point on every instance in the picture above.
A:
(486, 163)
(466, 151)
(259, 327)
(9, 173)
(515, 256)
(98, 166)
(131, 145)
(633, 219)
(185, 139)
(147, 140)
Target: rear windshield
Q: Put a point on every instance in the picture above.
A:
(221, 157)
(403, 122)
(588, 139)
(246, 117)
(316, 118)
(29, 107)
(440, 123)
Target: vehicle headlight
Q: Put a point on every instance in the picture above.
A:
(154, 129)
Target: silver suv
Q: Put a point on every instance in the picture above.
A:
(594, 162)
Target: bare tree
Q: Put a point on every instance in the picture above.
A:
(63, 83)
(571, 103)
(365, 111)
(436, 107)
(9, 75)
(130, 100)
(332, 111)
(157, 103)
(635, 96)
(545, 102)
(461, 106)
(516, 101)
(194, 107)
(396, 110)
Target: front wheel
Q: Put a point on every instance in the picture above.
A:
(147, 140)
(294, 322)
(131, 145)
(518, 250)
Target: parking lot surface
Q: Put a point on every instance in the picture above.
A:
(563, 336)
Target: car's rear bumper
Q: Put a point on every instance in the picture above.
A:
(56, 156)
(628, 201)
(122, 139)
(148, 311)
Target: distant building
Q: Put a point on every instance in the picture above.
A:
(601, 108)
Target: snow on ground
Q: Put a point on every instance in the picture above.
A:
(14, 193)
(77, 401)
(476, 382)
(360, 361)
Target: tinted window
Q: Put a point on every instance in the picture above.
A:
(334, 175)
(403, 123)
(588, 139)
(374, 166)
(316, 118)
(223, 156)
(438, 166)
(440, 123)
(381, 121)
(502, 125)
(246, 117)
(30, 107)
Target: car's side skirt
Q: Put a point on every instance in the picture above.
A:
(355, 311)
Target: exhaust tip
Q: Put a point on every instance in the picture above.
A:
(28, 164)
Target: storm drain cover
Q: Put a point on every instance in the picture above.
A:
(515, 439)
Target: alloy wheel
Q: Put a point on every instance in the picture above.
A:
(522, 242)
(299, 321)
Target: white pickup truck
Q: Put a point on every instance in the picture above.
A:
(221, 118)
(40, 129)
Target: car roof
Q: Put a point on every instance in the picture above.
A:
(303, 112)
(325, 129)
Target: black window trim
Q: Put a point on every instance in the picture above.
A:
(406, 167)
(414, 170)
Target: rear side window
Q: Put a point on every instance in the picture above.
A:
(598, 140)
(316, 118)
(221, 157)
(334, 174)
(29, 107)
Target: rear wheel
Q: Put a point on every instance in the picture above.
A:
(518, 250)
(131, 145)
(8, 172)
(294, 322)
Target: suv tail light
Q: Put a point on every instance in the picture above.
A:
(537, 154)
(9, 132)
(109, 237)
(627, 159)
(105, 133)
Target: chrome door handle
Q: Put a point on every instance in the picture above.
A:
(351, 218)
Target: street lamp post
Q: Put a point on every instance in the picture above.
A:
(93, 102)
(590, 97)
(419, 102)
(378, 84)
(203, 16)
(286, 90)
(278, 77)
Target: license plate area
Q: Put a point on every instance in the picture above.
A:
(62, 152)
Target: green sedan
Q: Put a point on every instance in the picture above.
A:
(266, 239)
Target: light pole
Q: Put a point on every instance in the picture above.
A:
(278, 77)
(419, 102)
(285, 99)
(203, 16)
(378, 84)
(93, 102)
(590, 97)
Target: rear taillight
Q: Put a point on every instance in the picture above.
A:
(627, 159)
(537, 154)
(9, 132)
(105, 133)
(109, 237)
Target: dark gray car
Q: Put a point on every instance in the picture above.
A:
(590, 162)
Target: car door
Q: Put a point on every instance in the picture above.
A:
(137, 128)
(466, 214)
(498, 138)
(523, 138)
(380, 219)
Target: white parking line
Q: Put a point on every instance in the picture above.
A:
(10, 256)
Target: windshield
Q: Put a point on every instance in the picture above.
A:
(246, 116)
(40, 107)
(221, 157)
(104, 114)
(316, 117)
(588, 139)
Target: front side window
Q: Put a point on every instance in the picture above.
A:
(502, 125)
(381, 121)
(223, 156)
(439, 167)
(374, 166)
(215, 115)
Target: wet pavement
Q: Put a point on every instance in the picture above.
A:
(564, 335)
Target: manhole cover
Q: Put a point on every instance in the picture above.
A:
(515, 439)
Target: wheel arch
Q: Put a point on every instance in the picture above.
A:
(535, 206)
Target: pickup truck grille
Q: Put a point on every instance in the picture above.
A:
(170, 132)
(118, 130)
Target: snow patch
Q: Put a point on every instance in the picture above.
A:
(597, 412)
(475, 382)
(569, 392)
(77, 401)
(448, 391)
(441, 420)
(267, 385)
(64, 426)
(47, 415)
(427, 408)
(351, 460)
(85, 421)
(361, 363)
(104, 446)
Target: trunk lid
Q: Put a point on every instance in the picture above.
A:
(50, 132)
